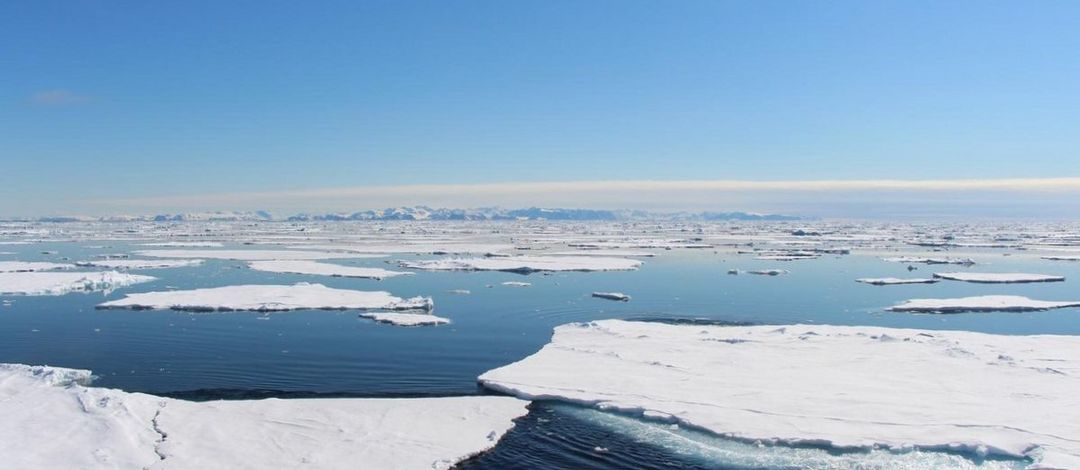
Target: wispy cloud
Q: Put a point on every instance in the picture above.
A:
(58, 97)
(801, 195)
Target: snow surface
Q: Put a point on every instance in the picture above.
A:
(323, 269)
(612, 296)
(52, 283)
(140, 263)
(54, 420)
(526, 264)
(999, 278)
(984, 303)
(29, 266)
(847, 387)
(890, 281)
(268, 298)
(406, 319)
(249, 255)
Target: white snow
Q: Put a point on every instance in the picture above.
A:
(889, 281)
(249, 255)
(140, 263)
(612, 296)
(999, 278)
(28, 266)
(984, 303)
(526, 264)
(52, 419)
(847, 387)
(268, 298)
(52, 283)
(406, 319)
(323, 269)
(929, 260)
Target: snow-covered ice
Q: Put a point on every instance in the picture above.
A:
(890, 281)
(268, 298)
(250, 255)
(999, 278)
(30, 266)
(60, 283)
(52, 419)
(847, 387)
(406, 319)
(323, 269)
(612, 296)
(984, 303)
(526, 264)
(1061, 258)
(141, 263)
(930, 260)
(517, 284)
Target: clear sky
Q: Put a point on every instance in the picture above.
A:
(110, 106)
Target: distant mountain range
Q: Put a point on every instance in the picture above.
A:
(427, 213)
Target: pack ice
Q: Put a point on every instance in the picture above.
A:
(845, 387)
(53, 419)
(526, 264)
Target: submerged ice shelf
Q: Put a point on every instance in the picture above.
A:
(846, 387)
(53, 419)
(269, 298)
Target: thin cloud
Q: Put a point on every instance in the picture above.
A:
(58, 98)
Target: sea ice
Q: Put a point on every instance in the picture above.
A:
(889, 281)
(612, 296)
(60, 283)
(250, 255)
(984, 303)
(840, 386)
(998, 278)
(525, 264)
(323, 269)
(930, 260)
(406, 319)
(268, 298)
(30, 266)
(140, 263)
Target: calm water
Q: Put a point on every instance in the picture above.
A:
(336, 353)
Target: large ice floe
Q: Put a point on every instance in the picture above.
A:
(323, 269)
(833, 386)
(141, 263)
(525, 264)
(53, 419)
(892, 281)
(999, 278)
(982, 303)
(31, 266)
(269, 298)
(60, 283)
(250, 255)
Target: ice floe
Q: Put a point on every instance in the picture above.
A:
(930, 260)
(984, 303)
(269, 298)
(60, 283)
(1061, 258)
(30, 266)
(250, 255)
(53, 419)
(845, 387)
(612, 296)
(768, 272)
(525, 264)
(890, 281)
(999, 278)
(323, 269)
(140, 263)
(516, 284)
(406, 319)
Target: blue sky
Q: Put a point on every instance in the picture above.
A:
(104, 104)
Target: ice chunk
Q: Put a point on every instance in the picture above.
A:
(526, 264)
(768, 272)
(140, 263)
(845, 387)
(984, 303)
(930, 260)
(53, 420)
(50, 283)
(323, 269)
(612, 296)
(517, 284)
(889, 281)
(998, 278)
(406, 319)
(268, 298)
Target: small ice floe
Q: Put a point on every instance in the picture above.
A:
(31, 266)
(185, 244)
(1061, 258)
(120, 429)
(999, 278)
(733, 272)
(123, 264)
(60, 283)
(612, 296)
(930, 260)
(460, 291)
(984, 303)
(936, 390)
(250, 255)
(890, 281)
(269, 298)
(517, 284)
(768, 272)
(525, 264)
(324, 269)
(406, 319)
